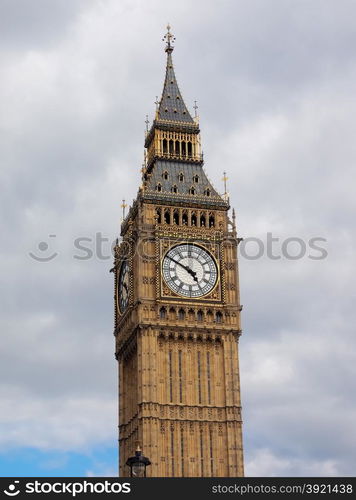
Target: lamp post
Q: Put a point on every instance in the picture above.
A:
(138, 464)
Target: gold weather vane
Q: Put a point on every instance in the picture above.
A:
(225, 179)
(169, 39)
(123, 206)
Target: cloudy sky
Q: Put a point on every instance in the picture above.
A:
(275, 83)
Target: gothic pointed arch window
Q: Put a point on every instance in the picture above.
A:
(176, 217)
(165, 175)
(190, 149)
(181, 177)
(184, 148)
(196, 178)
(171, 147)
(194, 219)
(167, 216)
(219, 317)
(172, 313)
(159, 215)
(181, 314)
(159, 187)
(207, 192)
(174, 189)
(202, 220)
(163, 313)
(165, 146)
(192, 190)
(191, 315)
(177, 148)
(211, 220)
(185, 218)
(200, 315)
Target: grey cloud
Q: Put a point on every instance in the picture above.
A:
(35, 24)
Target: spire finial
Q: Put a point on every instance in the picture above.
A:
(123, 206)
(147, 121)
(233, 220)
(169, 39)
(144, 163)
(225, 179)
(195, 109)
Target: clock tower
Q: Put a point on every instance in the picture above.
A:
(177, 307)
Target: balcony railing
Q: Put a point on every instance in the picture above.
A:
(174, 156)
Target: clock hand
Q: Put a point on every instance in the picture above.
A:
(190, 260)
(190, 271)
(190, 263)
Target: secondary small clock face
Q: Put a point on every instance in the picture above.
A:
(124, 286)
(189, 270)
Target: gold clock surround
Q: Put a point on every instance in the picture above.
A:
(166, 292)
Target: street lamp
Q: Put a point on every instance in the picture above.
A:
(138, 464)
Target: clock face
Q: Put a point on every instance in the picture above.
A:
(189, 270)
(123, 286)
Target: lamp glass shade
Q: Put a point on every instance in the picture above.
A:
(138, 469)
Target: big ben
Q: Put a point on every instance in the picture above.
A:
(177, 307)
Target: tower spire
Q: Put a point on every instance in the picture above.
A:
(171, 106)
(174, 157)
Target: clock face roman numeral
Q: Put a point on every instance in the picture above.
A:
(189, 270)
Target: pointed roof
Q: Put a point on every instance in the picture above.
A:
(169, 177)
(183, 183)
(172, 106)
